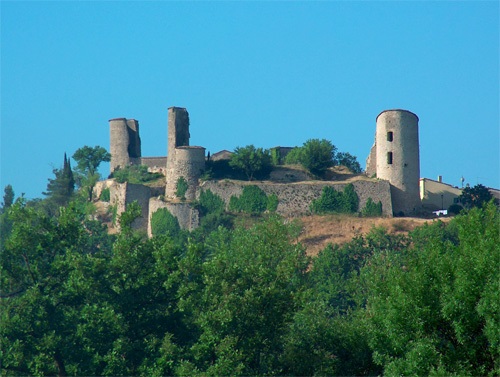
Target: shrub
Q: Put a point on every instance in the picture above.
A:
(181, 188)
(294, 156)
(163, 222)
(210, 203)
(349, 161)
(372, 209)
(135, 174)
(455, 209)
(333, 201)
(254, 162)
(272, 203)
(105, 195)
(252, 200)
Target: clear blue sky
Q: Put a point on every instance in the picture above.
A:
(262, 73)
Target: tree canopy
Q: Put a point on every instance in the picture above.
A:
(246, 300)
(254, 162)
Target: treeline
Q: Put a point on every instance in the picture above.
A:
(246, 300)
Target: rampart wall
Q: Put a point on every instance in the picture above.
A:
(122, 194)
(295, 198)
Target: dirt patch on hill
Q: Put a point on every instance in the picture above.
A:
(319, 231)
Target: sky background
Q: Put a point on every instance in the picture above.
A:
(262, 73)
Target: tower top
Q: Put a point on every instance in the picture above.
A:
(397, 110)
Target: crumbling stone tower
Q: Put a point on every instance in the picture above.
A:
(395, 157)
(183, 160)
(125, 142)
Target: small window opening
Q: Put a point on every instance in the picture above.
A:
(390, 136)
(389, 158)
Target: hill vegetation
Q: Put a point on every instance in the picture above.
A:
(248, 292)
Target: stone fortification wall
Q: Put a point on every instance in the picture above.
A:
(155, 164)
(187, 216)
(122, 194)
(295, 198)
(397, 156)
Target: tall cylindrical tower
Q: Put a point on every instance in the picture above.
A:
(119, 143)
(189, 164)
(134, 147)
(398, 161)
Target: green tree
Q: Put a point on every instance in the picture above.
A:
(254, 162)
(372, 209)
(349, 161)
(8, 197)
(248, 299)
(333, 201)
(60, 189)
(315, 155)
(88, 160)
(433, 308)
(135, 174)
(181, 188)
(164, 223)
(253, 200)
(475, 196)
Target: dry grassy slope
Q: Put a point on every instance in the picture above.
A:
(319, 231)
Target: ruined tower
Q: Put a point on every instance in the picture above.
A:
(183, 160)
(125, 142)
(395, 157)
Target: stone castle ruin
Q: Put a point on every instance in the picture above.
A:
(392, 171)
(395, 157)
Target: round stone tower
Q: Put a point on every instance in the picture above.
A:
(397, 156)
(183, 160)
(119, 143)
(189, 163)
(124, 143)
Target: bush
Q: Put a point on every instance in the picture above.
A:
(455, 209)
(372, 209)
(349, 161)
(181, 188)
(254, 162)
(210, 203)
(333, 201)
(135, 174)
(105, 195)
(272, 203)
(163, 222)
(252, 200)
(294, 156)
(315, 155)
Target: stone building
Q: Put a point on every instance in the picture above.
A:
(395, 157)
(184, 161)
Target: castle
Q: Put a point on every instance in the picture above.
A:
(392, 171)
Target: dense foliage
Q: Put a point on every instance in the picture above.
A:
(318, 155)
(333, 201)
(88, 160)
(246, 301)
(475, 196)
(372, 209)
(164, 223)
(253, 200)
(254, 162)
(60, 188)
(135, 174)
(315, 155)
